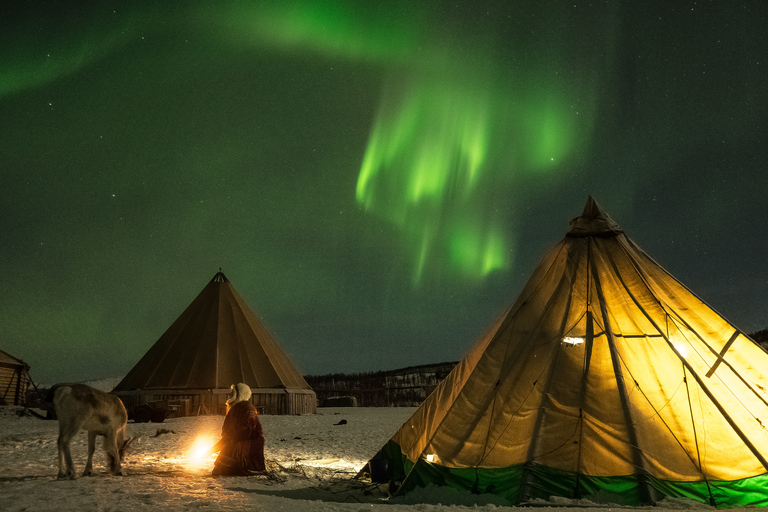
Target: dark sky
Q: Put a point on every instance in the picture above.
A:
(377, 179)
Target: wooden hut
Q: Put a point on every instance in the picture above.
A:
(14, 380)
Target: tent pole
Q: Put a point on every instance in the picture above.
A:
(525, 488)
(590, 338)
(696, 437)
(721, 355)
(726, 416)
(588, 344)
(532, 448)
(637, 457)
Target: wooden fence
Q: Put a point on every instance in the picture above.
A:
(393, 388)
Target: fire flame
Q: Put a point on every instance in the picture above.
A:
(200, 451)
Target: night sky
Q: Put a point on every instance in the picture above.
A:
(377, 179)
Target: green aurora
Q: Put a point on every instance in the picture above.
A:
(449, 128)
(379, 175)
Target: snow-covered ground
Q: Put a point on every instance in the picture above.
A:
(312, 461)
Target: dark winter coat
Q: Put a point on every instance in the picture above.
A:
(242, 442)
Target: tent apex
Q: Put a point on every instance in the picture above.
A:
(594, 221)
(219, 277)
(591, 210)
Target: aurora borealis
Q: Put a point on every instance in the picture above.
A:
(376, 179)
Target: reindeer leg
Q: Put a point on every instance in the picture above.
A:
(113, 456)
(65, 436)
(60, 446)
(91, 448)
(111, 441)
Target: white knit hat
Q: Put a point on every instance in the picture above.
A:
(240, 393)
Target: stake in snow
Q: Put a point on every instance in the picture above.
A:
(82, 407)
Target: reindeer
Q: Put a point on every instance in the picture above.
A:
(82, 407)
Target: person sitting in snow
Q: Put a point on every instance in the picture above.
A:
(242, 441)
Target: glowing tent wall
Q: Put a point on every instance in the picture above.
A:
(606, 380)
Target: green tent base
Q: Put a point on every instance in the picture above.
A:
(519, 484)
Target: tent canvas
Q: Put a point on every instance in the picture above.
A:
(606, 380)
(216, 342)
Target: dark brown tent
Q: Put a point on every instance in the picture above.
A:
(216, 342)
(14, 380)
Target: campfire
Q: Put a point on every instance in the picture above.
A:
(200, 452)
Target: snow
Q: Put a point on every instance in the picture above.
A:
(311, 459)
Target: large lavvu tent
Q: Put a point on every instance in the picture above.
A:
(607, 380)
(216, 342)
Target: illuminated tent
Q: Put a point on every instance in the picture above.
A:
(607, 380)
(216, 342)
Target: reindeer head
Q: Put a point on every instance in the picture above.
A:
(121, 449)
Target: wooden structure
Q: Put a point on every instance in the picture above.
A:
(404, 387)
(195, 402)
(14, 380)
